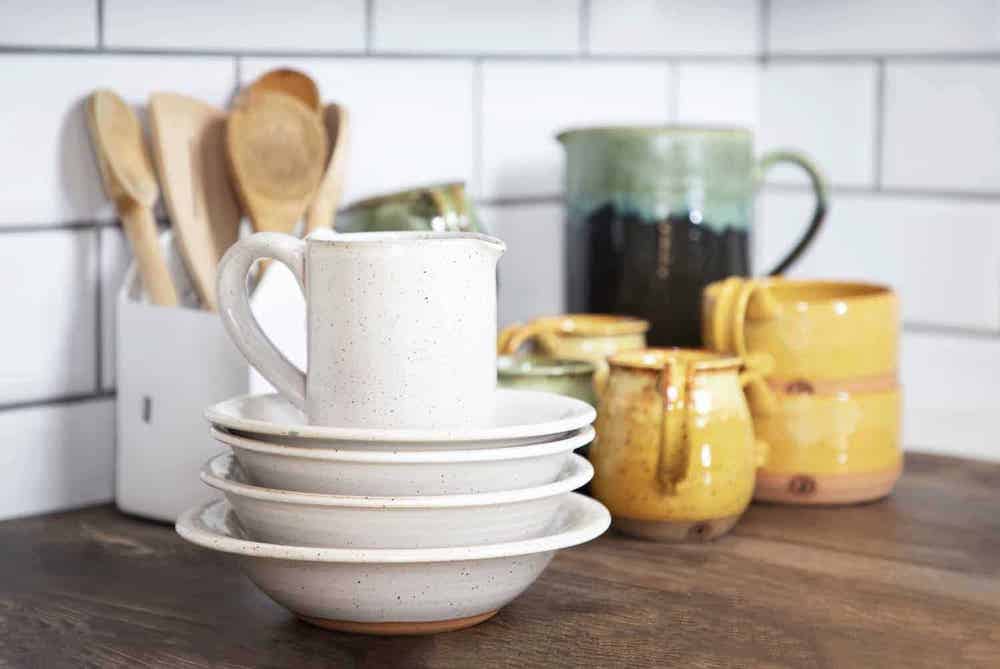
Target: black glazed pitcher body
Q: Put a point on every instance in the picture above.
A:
(654, 214)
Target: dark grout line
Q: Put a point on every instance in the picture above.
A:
(879, 139)
(916, 327)
(100, 24)
(478, 135)
(966, 196)
(584, 27)
(520, 200)
(369, 27)
(58, 400)
(50, 227)
(764, 29)
(99, 310)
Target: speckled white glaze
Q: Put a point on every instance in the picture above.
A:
(433, 521)
(401, 325)
(517, 417)
(338, 471)
(394, 585)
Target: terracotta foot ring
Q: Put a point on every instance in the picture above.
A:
(686, 531)
(825, 488)
(400, 628)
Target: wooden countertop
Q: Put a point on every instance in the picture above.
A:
(910, 581)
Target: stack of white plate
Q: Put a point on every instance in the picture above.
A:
(398, 531)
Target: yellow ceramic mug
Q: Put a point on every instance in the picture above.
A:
(675, 455)
(590, 337)
(831, 407)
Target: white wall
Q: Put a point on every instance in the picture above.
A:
(903, 115)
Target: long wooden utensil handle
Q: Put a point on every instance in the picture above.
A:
(140, 228)
(323, 210)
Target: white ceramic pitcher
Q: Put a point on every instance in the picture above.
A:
(401, 325)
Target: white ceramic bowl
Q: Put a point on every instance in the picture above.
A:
(518, 417)
(437, 521)
(336, 471)
(394, 591)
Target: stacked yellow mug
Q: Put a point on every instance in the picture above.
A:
(829, 402)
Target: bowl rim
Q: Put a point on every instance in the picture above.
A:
(217, 473)
(588, 520)
(579, 438)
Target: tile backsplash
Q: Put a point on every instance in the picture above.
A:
(903, 116)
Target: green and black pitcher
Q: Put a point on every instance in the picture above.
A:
(655, 214)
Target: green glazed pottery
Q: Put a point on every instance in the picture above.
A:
(574, 378)
(656, 213)
(435, 207)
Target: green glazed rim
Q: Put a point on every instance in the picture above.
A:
(651, 130)
(532, 365)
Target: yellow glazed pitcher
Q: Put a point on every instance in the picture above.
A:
(830, 407)
(590, 337)
(675, 456)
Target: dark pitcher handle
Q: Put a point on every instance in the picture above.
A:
(769, 160)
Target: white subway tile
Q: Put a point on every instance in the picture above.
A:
(57, 457)
(942, 126)
(477, 26)
(42, 123)
(884, 26)
(412, 121)
(729, 27)
(718, 94)
(943, 256)
(57, 23)
(115, 259)
(236, 25)
(50, 301)
(828, 112)
(951, 394)
(532, 276)
(526, 103)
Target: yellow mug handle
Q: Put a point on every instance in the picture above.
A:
(758, 365)
(675, 445)
(517, 335)
(754, 370)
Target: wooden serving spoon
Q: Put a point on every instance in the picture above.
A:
(188, 145)
(277, 148)
(323, 210)
(129, 181)
(290, 82)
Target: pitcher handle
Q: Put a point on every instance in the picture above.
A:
(675, 444)
(238, 318)
(772, 158)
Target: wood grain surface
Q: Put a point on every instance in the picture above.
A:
(911, 581)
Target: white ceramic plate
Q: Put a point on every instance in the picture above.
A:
(337, 471)
(436, 521)
(519, 417)
(394, 591)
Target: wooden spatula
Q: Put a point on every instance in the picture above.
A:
(129, 181)
(277, 148)
(323, 209)
(189, 148)
(290, 82)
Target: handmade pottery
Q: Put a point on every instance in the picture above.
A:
(401, 325)
(573, 378)
(517, 417)
(675, 456)
(591, 337)
(394, 591)
(336, 471)
(429, 521)
(439, 207)
(656, 213)
(830, 408)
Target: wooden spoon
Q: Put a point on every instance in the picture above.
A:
(277, 148)
(323, 210)
(290, 82)
(129, 181)
(188, 145)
